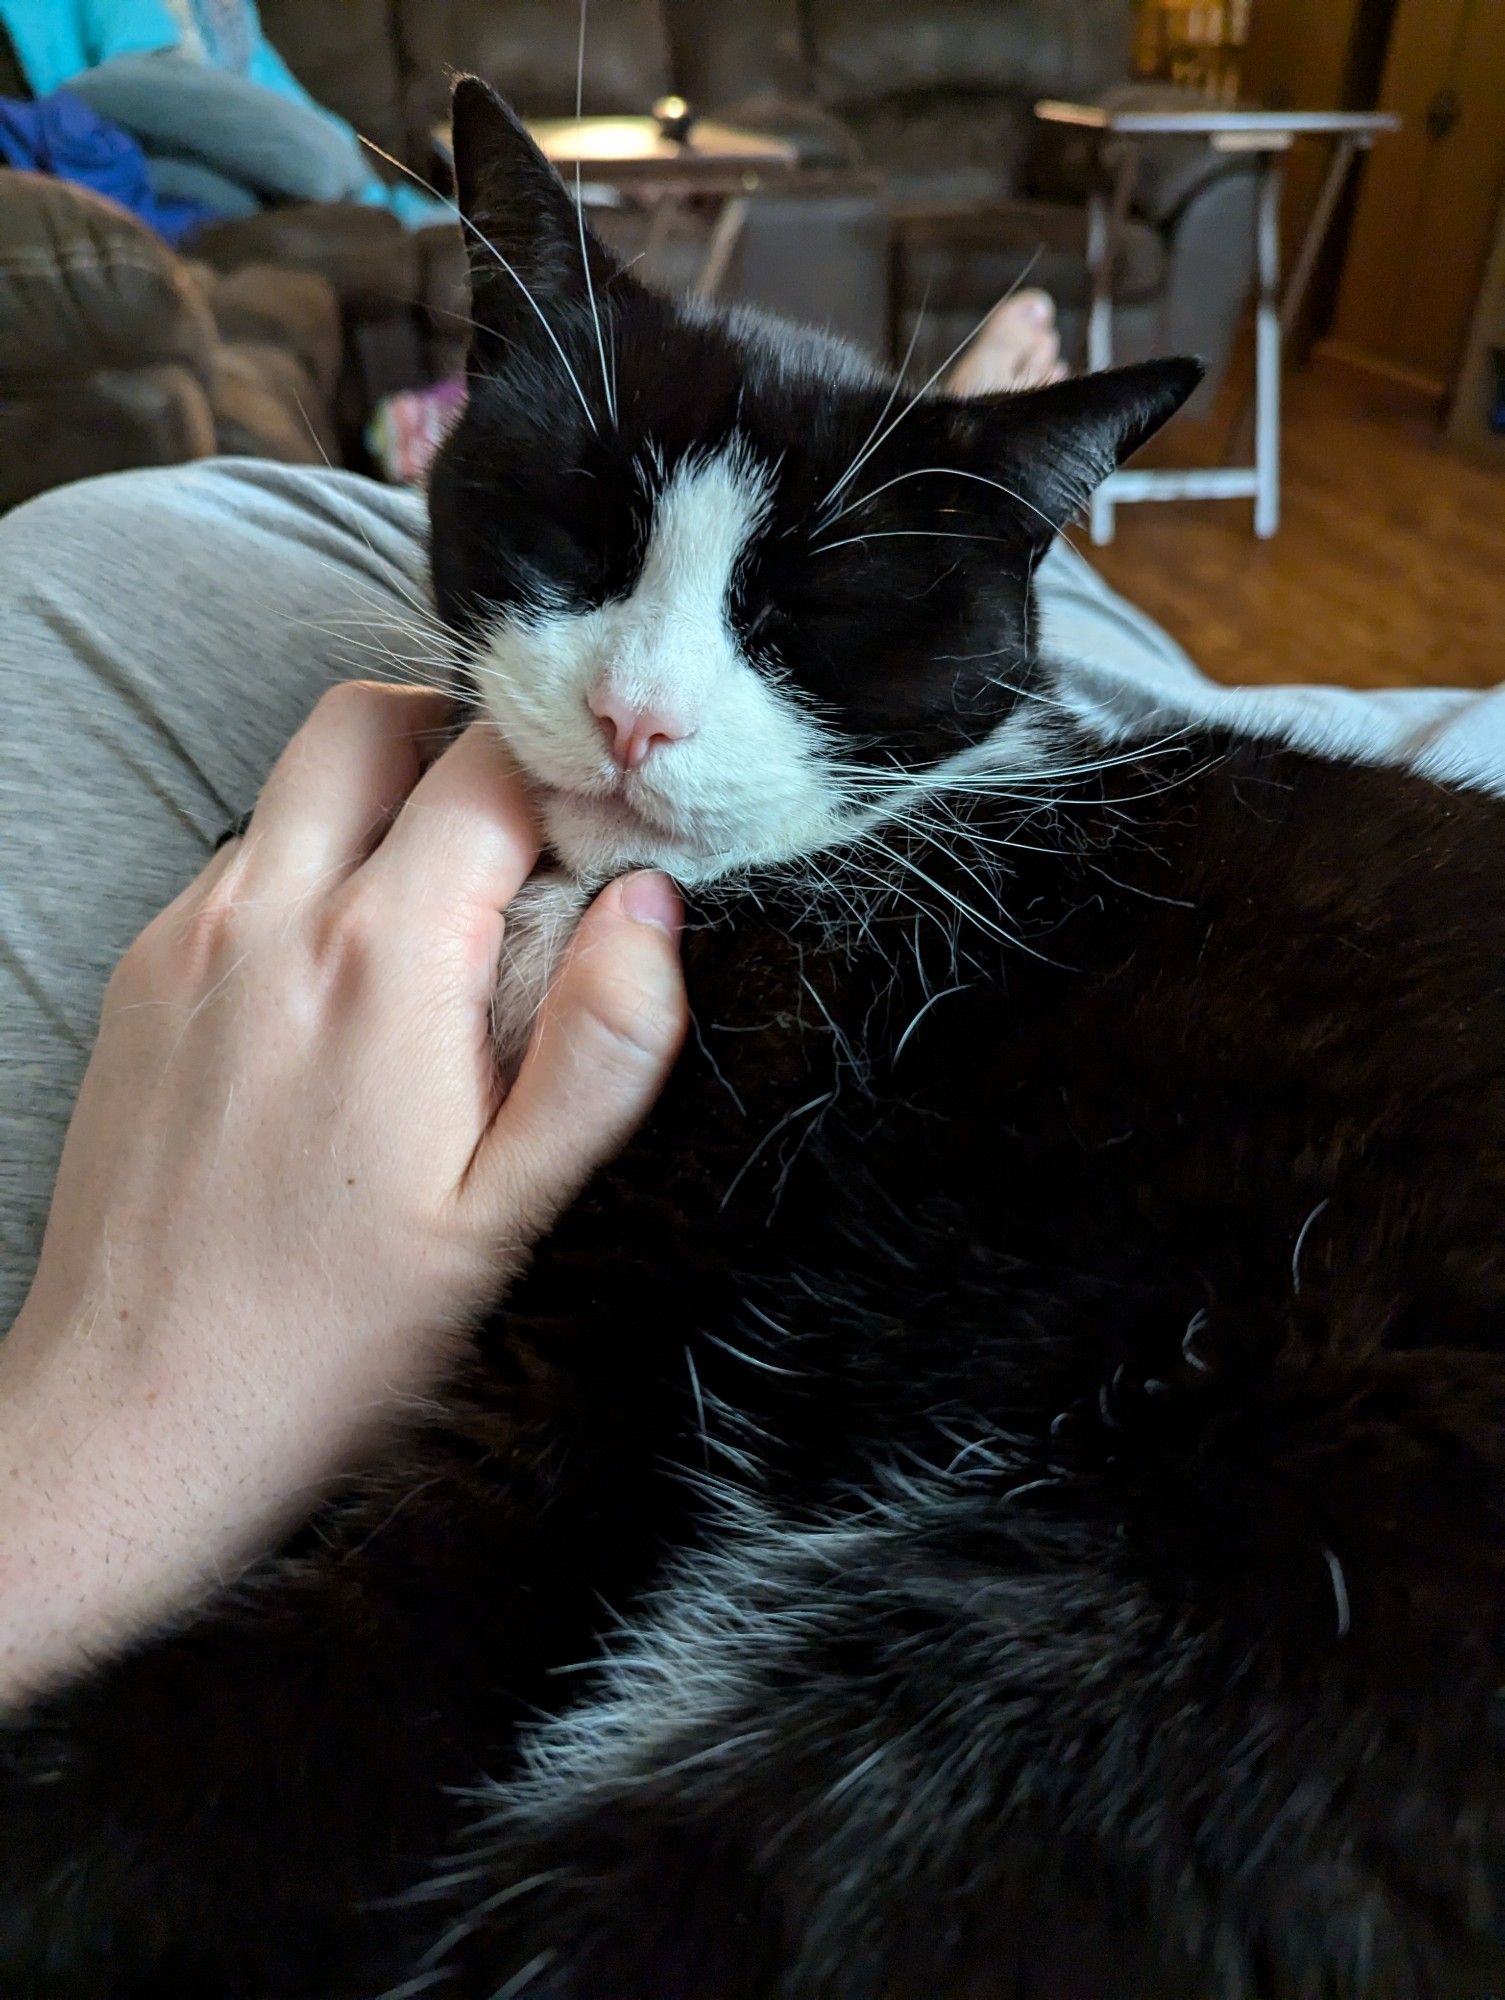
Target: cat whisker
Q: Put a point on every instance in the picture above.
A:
(421, 1982)
(752, 1360)
(929, 383)
(465, 1926)
(964, 910)
(486, 243)
(590, 285)
(438, 671)
(714, 1066)
(898, 534)
(993, 781)
(948, 472)
(389, 669)
(934, 999)
(1029, 591)
(425, 612)
(1340, 1592)
(815, 1104)
(705, 1441)
(884, 889)
(857, 457)
(1301, 1237)
(518, 1985)
(840, 1041)
(458, 318)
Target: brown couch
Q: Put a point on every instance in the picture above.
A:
(116, 353)
(94, 404)
(935, 93)
(386, 65)
(942, 92)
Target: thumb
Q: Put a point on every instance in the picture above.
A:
(605, 1042)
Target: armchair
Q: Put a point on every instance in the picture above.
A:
(941, 93)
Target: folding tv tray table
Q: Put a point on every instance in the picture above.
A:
(1269, 135)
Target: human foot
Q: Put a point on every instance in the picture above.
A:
(1017, 347)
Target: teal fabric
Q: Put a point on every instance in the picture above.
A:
(408, 203)
(274, 148)
(413, 208)
(191, 180)
(226, 29)
(56, 40)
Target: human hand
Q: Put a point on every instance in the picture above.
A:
(292, 1174)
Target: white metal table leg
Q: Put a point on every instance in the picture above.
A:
(1267, 136)
(1099, 334)
(1100, 278)
(1298, 282)
(1339, 167)
(1267, 351)
(722, 247)
(1105, 227)
(667, 207)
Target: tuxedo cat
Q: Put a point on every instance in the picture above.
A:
(998, 1491)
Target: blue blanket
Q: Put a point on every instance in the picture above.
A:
(56, 40)
(61, 136)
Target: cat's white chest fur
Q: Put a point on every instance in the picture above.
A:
(540, 922)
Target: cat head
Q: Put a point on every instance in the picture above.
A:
(727, 591)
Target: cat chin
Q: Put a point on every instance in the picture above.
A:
(596, 839)
(591, 855)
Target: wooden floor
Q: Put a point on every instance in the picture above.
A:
(1388, 570)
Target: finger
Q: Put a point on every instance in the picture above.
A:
(225, 857)
(336, 786)
(465, 840)
(606, 1041)
(171, 922)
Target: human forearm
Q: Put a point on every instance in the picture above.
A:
(116, 1507)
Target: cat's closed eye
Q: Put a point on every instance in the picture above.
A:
(553, 551)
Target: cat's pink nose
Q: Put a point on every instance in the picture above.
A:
(633, 733)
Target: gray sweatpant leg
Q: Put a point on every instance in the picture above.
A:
(162, 634)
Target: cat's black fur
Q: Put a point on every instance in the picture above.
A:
(1025, 1417)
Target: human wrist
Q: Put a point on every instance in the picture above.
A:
(110, 1515)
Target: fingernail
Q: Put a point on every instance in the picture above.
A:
(1036, 305)
(652, 899)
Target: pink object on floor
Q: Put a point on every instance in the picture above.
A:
(408, 428)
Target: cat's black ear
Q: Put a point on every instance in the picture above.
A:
(1055, 445)
(523, 238)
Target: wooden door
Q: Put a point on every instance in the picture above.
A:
(1476, 420)
(1301, 54)
(1426, 208)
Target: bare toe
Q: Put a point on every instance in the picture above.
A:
(1017, 347)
